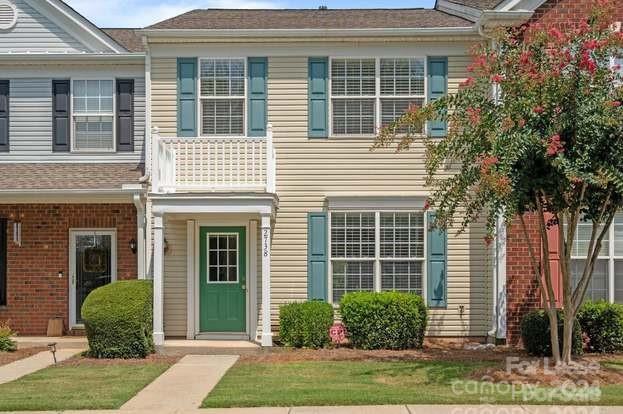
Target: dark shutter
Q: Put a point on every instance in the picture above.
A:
(4, 115)
(257, 117)
(187, 97)
(3, 260)
(437, 87)
(318, 112)
(125, 115)
(437, 279)
(317, 246)
(61, 112)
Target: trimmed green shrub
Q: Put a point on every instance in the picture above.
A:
(118, 320)
(602, 322)
(535, 334)
(305, 324)
(6, 343)
(385, 320)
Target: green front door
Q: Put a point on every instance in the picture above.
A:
(223, 278)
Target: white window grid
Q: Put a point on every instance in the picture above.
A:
(611, 252)
(219, 265)
(377, 97)
(378, 259)
(75, 114)
(203, 97)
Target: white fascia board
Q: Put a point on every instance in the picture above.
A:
(298, 33)
(493, 18)
(65, 196)
(510, 5)
(99, 57)
(213, 203)
(76, 25)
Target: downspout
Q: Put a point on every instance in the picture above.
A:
(492, 332)
(147, 142)
(140, 235)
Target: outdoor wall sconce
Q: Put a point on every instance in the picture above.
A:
(165, 246)
(133, 246)
(17, 233)
(60, 274)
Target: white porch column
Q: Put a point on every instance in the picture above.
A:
(267, 335)
(158, 279)
(140, 236)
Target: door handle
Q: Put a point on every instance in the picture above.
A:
(244, 286)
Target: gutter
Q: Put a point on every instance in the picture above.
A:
(490, 19)
(38, 57)
(299, 33)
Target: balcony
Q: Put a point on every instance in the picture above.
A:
(213, 164)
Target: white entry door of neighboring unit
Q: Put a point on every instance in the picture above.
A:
(92, 264)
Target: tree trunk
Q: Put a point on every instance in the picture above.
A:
(567, 344)
(553, 325)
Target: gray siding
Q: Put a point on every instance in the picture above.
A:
(30, 128)
(34, 32)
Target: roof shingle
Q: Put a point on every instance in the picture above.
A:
(478, 4)
(311, 19)
(66, 176)
(127, 38)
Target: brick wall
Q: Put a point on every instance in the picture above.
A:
(35, 293)
(522, 290)
(568, 13)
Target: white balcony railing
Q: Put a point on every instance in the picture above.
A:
(188, 164)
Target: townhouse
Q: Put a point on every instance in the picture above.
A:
(225, 154)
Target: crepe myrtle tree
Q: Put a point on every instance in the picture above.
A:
(537, 128)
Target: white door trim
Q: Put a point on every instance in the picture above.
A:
(193, 297)
(72, 264)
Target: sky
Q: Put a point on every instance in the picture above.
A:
(140, 13)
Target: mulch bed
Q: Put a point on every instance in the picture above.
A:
(80, 360)
(8, 357)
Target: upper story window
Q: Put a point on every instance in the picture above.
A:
(368, 93)
(93, 115)
(375, 251)
(223, 92)
(607, 280)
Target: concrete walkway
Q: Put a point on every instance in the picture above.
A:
(183, 386)
(21, 367)
(383, 409)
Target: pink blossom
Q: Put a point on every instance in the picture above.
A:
(615, 104)
(555, 146)
(554, 32)
(497, 78)
(538, 110)
(467, 82)
(586, 62)
(474, 115)
(426, 204)
(590, 44)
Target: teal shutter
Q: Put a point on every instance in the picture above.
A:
(258, 69)
(187, 97)
(317, 245)
(318, 109)
(437, 279)
(437, 87)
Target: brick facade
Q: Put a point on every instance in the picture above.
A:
(35, 293)
(521, 288)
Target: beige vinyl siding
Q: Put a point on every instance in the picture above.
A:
(308, 170)
(175, 297)
(164, 95)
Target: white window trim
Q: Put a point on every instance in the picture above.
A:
(377, 259)
(377, 96)
(227, 282)
(610, 257)
(113, 114)
(202, 97)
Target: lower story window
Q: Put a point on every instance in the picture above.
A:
(376, 251)
(607, 280)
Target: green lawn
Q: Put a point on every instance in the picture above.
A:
(87, 385)
(362, 383)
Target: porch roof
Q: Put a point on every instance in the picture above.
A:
(58, 177)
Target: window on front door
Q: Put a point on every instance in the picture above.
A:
(377, 251)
